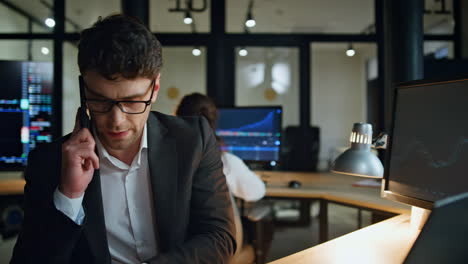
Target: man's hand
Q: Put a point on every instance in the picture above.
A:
(78, 162)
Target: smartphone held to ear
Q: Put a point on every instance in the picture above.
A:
(83, 110)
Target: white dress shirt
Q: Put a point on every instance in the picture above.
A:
(128, 205)
(242, 182)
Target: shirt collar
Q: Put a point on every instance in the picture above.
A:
(143, 144)
(103, 154)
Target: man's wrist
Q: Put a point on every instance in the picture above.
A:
(71, 195)
(71, 207)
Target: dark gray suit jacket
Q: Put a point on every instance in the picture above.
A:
(193, 212)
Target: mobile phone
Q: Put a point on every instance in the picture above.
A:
(83, 114)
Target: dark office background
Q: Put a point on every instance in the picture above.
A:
(296, 55)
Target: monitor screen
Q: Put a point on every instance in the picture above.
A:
(428, 149)
(25, 110)
(251, 133)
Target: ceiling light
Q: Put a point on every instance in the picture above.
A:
(243, 52)
(45, 50)
(196, 51)
(250, 21)
(188, 18)
(50, 22)
(350, 51)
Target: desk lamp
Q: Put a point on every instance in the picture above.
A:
(358, 160)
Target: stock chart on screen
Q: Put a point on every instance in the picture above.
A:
(25, 110)
(429, 149)
(252, 133)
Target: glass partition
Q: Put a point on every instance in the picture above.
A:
(70, 92)
(269, 76)
(164, 18)
(82, 14)
(438, 17)
(319, 16)
(182, 73)
(339, 93)
(16, 15)
(438, 49)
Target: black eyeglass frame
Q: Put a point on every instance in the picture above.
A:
(112, 103)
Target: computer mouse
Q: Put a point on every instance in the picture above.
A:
(294, 184)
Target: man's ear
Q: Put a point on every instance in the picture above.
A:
(156, 88)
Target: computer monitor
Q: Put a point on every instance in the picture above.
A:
(427, 158)
(251, 133)
(25, 110)
(443, 238)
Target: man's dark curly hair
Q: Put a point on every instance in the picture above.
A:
(119, 46)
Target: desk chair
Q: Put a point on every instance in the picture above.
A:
(254, 233)
(11, 215)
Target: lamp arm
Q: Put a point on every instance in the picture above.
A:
(380, 142)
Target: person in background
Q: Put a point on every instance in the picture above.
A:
(242, 182)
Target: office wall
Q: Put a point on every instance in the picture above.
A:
(338, 96)
(11, 22)
(338, 88)
(182, 74)
(269, 76)
(71, 90)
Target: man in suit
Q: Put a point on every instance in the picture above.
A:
(139, 186)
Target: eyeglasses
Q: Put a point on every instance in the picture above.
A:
(126, 106)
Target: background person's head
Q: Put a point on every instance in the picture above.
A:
(120, 59)
(198, 104)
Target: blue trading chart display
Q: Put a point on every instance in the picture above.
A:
(25, 110)
(252, 133)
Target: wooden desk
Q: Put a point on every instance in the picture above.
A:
(328, 187)
(12, 186)
(386, 242)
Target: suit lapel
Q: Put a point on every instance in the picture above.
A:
(95, 228)
(162, 161)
